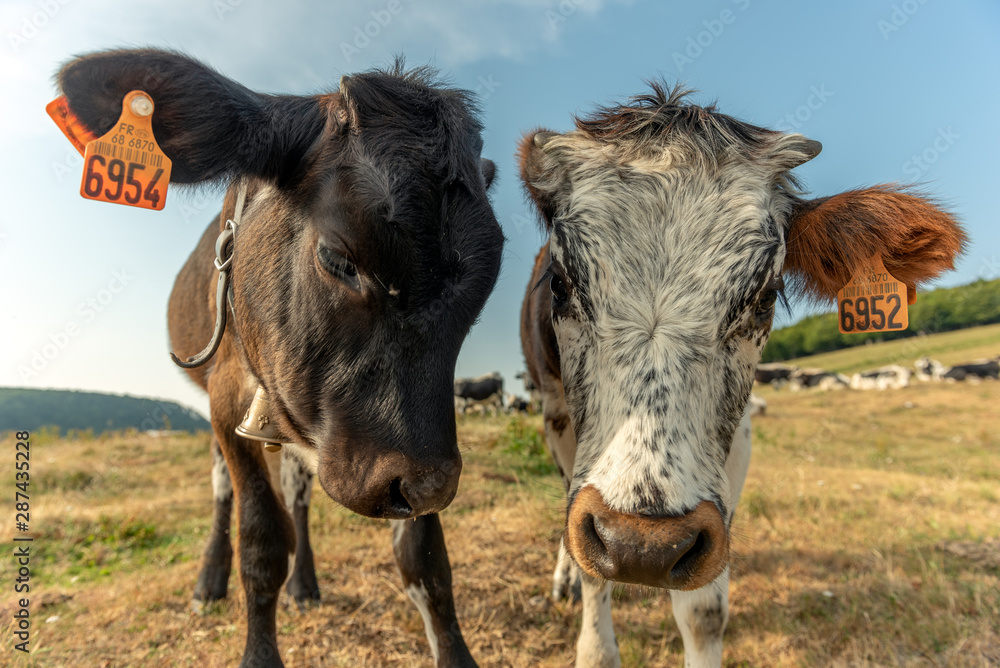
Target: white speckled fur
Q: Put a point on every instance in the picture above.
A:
(669, 246)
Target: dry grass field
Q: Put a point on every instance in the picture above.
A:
(868, 535)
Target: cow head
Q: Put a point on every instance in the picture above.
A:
(672, 232)
(366, 250)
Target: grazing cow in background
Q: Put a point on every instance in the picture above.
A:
(515, 404)
(765, 374)
(670, 227)
(928, 369)
(363, 247)
(491, 405)
(802, 379)
(756, 406)
(835, 381)
(480, 387)
(979, 369)
(890, 377)
(534, 396)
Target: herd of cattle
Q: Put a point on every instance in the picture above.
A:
(484, 395)
(892, 376)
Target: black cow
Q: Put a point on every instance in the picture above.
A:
(768, 373)
(480, 387)
(358, 245)
(977, 369)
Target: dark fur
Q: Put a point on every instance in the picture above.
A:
(386, 171)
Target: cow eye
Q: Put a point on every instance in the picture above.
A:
(765, 305)
(338, 266)
(558, 288)
(767, 301)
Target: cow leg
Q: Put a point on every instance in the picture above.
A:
(213, 581)
(597, 647)
(265, 538)
(566, 578)
(296, 485)
(702, 614)
(422, 558)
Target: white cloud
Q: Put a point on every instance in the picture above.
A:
(294, 47)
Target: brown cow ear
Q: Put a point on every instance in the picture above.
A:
(831, 237)
(541, 173)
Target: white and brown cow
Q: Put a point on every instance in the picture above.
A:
(670, 228)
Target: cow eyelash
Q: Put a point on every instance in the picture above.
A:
(338, 266)
(773, 294)
(551, 276)
(546, 276)
(767, 301)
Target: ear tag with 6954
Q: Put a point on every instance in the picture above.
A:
(125, 165)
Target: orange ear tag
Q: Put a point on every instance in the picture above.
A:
(67, 121)
(873, 301)
(126, 166)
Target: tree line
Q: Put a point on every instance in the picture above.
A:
(91, 412)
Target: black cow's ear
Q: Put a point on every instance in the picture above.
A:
(208, 125)
(489, 170)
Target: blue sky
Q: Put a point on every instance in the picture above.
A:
(895, 90)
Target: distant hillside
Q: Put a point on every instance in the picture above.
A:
(941, 310)
(961, 345)
(22, 408)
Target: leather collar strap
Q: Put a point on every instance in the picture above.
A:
(224, 251)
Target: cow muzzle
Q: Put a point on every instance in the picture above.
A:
(680, 552)
(390, 486)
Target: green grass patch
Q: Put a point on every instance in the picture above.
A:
(88, 550)
(526, 446)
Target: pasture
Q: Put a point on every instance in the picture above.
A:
(868, 534)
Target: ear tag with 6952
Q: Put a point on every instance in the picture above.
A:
(873, 301)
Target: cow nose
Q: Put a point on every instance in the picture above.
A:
(428, 492)
(391, 487)
(677, 552)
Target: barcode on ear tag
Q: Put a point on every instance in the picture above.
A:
(873, 301)
(126, 166)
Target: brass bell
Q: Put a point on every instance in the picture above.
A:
(257, 424)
